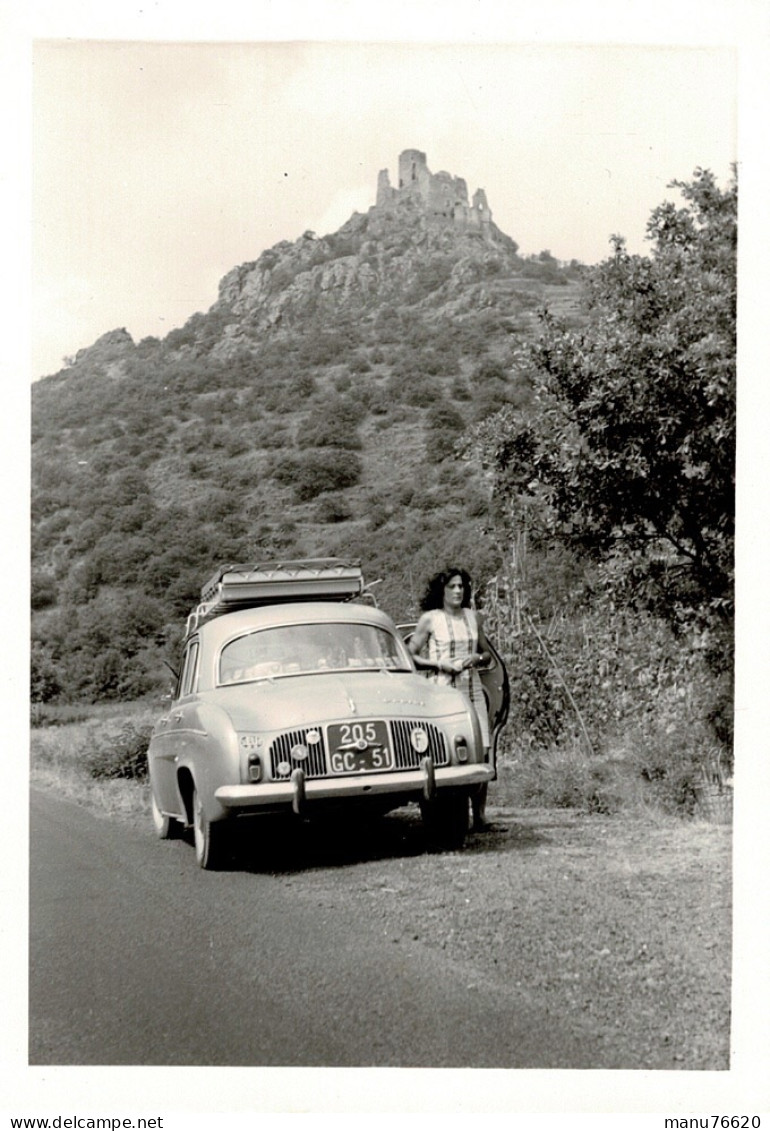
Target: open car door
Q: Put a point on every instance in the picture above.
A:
(494, 680)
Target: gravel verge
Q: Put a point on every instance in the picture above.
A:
(621, 925)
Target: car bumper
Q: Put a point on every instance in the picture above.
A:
(299, 792)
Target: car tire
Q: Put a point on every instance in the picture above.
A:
(166, 828)
(446, 818)
(209, 837)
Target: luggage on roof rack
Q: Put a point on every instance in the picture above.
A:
(246, 586)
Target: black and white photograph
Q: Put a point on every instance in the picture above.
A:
(387, 689)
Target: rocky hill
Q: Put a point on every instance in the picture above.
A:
(319, 407)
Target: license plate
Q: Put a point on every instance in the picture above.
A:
(359, 748)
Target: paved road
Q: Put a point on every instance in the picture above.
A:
(138, 957)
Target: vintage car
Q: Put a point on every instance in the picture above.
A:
(297, 694)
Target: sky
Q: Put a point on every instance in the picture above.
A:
(159, 166)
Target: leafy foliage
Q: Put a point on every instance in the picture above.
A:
(334, 424)
(629, 450)
(319, 470)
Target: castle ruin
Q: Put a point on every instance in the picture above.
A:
(440, 195)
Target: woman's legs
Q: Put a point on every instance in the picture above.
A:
(479, 806)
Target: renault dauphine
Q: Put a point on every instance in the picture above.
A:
(297, 695)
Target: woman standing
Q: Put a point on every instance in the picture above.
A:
(448, 644)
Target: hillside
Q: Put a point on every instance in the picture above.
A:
(318, 407)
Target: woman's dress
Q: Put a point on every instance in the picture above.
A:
(455, 638)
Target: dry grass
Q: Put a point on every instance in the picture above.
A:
(623, 780)
(60, 752)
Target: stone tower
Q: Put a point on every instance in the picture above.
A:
(413, 170)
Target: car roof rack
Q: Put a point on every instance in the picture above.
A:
(246, 586)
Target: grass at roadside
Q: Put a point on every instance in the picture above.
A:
(622, 780)
(81, 754)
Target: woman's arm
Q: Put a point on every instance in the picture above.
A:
(483, 655)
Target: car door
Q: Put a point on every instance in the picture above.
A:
(166, 745)
(494, 680)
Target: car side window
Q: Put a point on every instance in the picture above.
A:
(189, 670)
(180, 678)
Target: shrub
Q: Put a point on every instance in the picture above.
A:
(379, 402)
(314, 472)
(490, 371)
(544, 268)
(45, 678)
(359, 363)
(122, 755)
(432, 274)
(412, 388)
(333, 508)
(440, 444)
(438, 362)
(378, 514)
(489, 399)
(611, 709)
(476, 501)
(333, 425)
(324, 348)
(459, 390)
(445, 416)
(269, 434)
(645, 768)
(302, 386)
(43, 590)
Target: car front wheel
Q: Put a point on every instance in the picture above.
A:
(210, 837)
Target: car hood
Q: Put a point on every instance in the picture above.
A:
(297, 701)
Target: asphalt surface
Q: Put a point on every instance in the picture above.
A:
(137, 957)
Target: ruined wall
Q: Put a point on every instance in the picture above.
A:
(480, 206)
(386, 194)
(440, 194)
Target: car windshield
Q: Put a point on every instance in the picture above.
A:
(300, 649)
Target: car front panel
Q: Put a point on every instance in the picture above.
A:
(327, 756)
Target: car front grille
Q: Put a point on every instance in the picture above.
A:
(315, 765)
(407, 758)
(280, 751)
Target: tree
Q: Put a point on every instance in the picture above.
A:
(628, 451)
(45, 682)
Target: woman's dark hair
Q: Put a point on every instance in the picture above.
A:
(434, 592)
